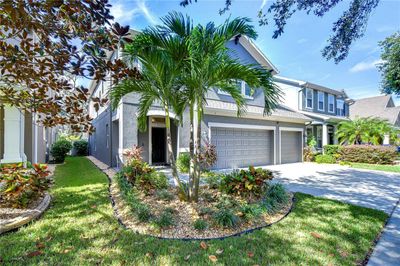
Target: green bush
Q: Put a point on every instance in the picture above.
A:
(275, 197)
(325, 158)
(143, 212)
(200, 225)
(164, 194)
(250, 211)
(368, 154)
(151, 181)
(250, 182)
(205, 211)
(183, 162)
(213, 180)
(225, 218)
(166, 219)
(60, 149)
(81, 147)
(332, 149)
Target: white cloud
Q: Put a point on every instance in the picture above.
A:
(365, 66)
(302, 40)
(124, 13)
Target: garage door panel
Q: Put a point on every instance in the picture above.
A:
(291, 146)
(238, 147)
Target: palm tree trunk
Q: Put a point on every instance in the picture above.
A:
(192, 171)
(197, 152)
(171, 156)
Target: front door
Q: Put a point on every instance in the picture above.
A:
(158, 137)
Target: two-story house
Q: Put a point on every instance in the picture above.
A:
(326, 107)
(253, 139)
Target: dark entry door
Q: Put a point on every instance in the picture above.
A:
(158, 136)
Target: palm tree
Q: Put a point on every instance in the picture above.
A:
(209, 66)
(158, 84)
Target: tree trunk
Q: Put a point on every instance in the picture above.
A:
(197, 151)
(171, 156)
(192, 171)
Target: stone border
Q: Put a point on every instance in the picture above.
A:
(114, 192)
(27, 217)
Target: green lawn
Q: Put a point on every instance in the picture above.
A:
(80, 229)
(380, 167)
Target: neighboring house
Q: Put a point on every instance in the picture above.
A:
(379, 106)
(21, 139)
(252, 139)
(326, 107)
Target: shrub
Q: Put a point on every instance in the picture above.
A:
(165, 195)
(368, 154)
(208, 156)
(60, 149)
(134, 153)
(213, 180)
(225, 218)
(325, 158)
(81, 147)
(166, 219)
(275, 197)
(308, 154)
(332, 149)
(250, 182)
(205, 211)
(22, 185)
(151, 181)
(183, 162)
(250, 211)
(200, 225)
(142, 212)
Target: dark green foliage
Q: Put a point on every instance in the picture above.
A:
(81, 147)
(225, 218)
(390, 67)
(213, 180)
(250, 182)
(166, 219)
(332, 149)
(275, 197)
(250, 211)
(142, 212)
(60, 149)
(164, 194)
(183, 162)
(325, 158)
(205, 211)
(368, 154)
(200, 225)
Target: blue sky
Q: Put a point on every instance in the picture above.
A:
(297, 53)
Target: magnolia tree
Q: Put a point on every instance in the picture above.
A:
(45, 46)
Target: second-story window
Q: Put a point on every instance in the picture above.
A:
(242, 86)
(331, 103)
(340, 108)
(321, 101)
(309, 98)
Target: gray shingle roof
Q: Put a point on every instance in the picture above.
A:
(375, 107)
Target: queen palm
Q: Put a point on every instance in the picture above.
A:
(158, 84)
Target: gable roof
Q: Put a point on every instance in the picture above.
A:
(377, 106)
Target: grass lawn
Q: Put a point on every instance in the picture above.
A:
(80, 229)
(380, 167)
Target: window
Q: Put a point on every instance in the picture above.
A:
(319, 137)
(242, 86)
(340, 108)
(309, 98)
(321, 101)
(331, 103)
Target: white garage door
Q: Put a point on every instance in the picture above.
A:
(291, 146)
(238, 147)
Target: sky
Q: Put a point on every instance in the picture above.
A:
(297, 53)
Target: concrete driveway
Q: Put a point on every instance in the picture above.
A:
(373, 189)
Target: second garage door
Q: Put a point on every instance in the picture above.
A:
(238, 147)
(291, 146)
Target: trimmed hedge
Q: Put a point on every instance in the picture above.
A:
(325, 158)
(368, 154)
(332, 149)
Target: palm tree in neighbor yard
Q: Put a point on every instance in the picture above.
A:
(158, 84)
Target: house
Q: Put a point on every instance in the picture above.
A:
(253, 139)
(21, 138)
(379, 106)
(326, 107)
